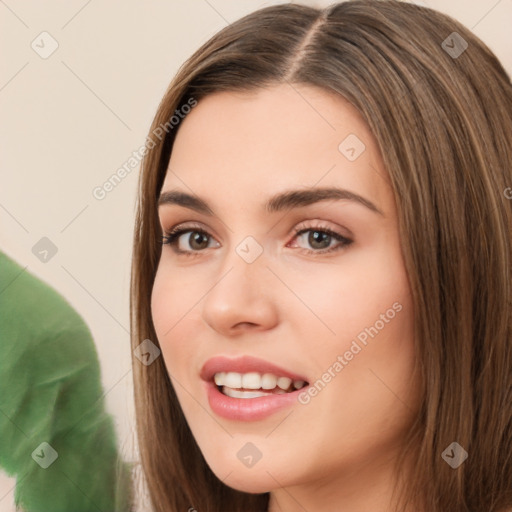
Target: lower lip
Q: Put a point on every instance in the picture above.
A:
(248, 409)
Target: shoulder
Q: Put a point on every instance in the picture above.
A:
(37, 320)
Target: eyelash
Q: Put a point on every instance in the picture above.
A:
(170, 238)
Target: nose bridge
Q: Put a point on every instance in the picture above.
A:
(242, 294)
(246, 263)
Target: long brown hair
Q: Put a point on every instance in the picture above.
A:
(441, 113)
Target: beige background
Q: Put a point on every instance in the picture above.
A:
(71, 120)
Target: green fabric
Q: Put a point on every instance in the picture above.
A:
(50, 391)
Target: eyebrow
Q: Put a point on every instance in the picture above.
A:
(283, 201)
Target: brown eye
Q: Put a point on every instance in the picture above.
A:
(197, 240)
(320, 240)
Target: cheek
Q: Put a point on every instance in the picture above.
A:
(172, 299)
(172, 312)
(369, 286)
(161, 305)
(370, 394)
(364, 314)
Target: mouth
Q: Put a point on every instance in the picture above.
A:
(249, 389)
(254, 385)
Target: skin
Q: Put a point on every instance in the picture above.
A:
(298, 310)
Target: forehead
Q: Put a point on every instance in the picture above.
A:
(236, 146)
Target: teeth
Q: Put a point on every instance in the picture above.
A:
(268, 381)
(251, 381)
(233, 380)
(235, 393)
(297, 384)
(254, 380)
(284, 382)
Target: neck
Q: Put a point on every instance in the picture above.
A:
(367, 487)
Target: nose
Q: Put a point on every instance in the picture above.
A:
(241, 298)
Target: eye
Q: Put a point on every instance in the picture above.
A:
(197, 242)
(321, 237)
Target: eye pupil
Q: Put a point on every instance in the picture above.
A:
(319, 236)
(197, 237)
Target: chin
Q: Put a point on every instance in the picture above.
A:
(246, 481)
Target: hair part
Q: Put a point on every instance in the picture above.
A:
(443, 126)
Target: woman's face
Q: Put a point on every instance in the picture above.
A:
(334, 310)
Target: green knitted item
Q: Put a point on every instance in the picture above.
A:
(51, 392)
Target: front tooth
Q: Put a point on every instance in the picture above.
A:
(297, 384)
(268, 381)
(219, 378)
(284, 382)
(251, 380)
(233, 380)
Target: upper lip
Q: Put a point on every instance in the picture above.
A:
(244, 364)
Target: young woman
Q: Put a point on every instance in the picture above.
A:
(322, 257)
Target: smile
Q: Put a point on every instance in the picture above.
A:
(249, 389)
(254, 384)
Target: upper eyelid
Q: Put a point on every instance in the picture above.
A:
(184, 226)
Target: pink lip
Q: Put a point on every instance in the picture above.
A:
(244, 364)
(246, 409)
